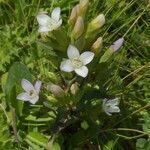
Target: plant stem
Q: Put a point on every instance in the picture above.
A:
(14, 125)
(8, 120)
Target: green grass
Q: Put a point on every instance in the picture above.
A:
(130, 78)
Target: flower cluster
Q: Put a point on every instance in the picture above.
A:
(76, 62)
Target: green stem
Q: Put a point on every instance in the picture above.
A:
(125, 129)
(70, 83)
(130, 138)
(14, 125)
(72, 39)
(62, 78)
(8, 120)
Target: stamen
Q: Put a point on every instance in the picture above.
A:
(31, 93)
(77, 63)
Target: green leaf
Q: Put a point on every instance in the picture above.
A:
(140, 144)
(53, 146)
(106, 56)
(59, 41)
(16, 73)
(3, 81)
(104, 73)
(35, 119)
(33, 146)
(56, 147)
(61, 36)
(37, 138)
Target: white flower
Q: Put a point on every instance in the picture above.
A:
(31, 93)
(77, 62)
(117, 45)
(47, 23)
(110, 106)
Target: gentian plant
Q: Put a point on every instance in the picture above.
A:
(72, 95)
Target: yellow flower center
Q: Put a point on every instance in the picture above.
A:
(31, 93)
(77, 63)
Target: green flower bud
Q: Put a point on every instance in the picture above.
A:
(97, 23)
(74, 15)
(84, 125)
(78, 28)
(74, 88)
(44, 36)
(97, 46)
(106, 56)
(83, 5)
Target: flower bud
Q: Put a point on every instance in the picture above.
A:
(117, 45)
(113, 48)
(97, 46)
(84, 125)
(83, 5)
(55, 89)
(98, 22)
(74, 15)
(78, 28)
(74, 88)
(44, 36)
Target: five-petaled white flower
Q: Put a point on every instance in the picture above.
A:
(77, 62)
(31, 93)
(110, 106)
(47, 23)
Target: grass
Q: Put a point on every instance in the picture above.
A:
(130, 79)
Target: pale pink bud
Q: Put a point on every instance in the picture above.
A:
(55, 89)
(117, 45)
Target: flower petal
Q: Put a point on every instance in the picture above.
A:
(116, 109)
(37, 86)
(83, 71)
(26, 85)
(23, 96)
(58, 24)
(56, 14)
(66, 66)
(72, 52)
(109, 114)
(44, 29)
(104, 103)
(34, 99)
(87, 57)
(113, 102)
(43, 19)
(113, 109)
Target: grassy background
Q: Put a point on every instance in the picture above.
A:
(131, 79)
